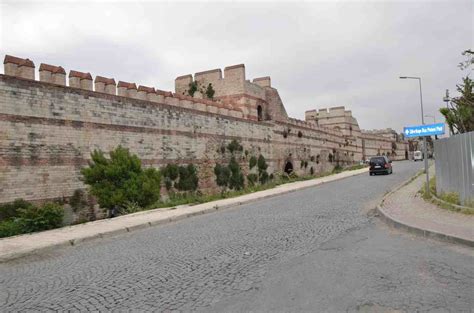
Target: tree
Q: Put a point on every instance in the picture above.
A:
(262, 169)
(236, 180)
(460, 116)
(252, 162)
(120, 179)
(188, 179)
(470, 59)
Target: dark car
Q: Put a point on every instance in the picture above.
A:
(380, 164)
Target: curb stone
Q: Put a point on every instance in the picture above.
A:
(208, 207)
(427, 233)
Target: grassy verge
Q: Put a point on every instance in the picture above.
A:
(448, 201)
(197, 198)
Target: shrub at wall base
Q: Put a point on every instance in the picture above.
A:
(120, 180)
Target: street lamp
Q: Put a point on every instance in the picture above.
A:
(446, 98)
(424, 137)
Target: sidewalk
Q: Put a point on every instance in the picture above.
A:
(404, 208)
(22, 245)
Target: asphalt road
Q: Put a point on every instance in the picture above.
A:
(316, 250)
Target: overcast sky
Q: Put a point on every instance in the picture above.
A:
(318, 54)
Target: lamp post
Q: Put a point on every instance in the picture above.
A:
(446, 98)
(425, 152)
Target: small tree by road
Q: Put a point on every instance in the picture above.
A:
(460, 115)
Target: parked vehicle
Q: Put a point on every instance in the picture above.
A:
(380, 164)
(418, 156)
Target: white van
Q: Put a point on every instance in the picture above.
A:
(418, 156)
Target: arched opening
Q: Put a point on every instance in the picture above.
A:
(288, 167)
(406, 155)
(259, 113)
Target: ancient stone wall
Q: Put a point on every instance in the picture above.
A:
(373, 143)
(48, 129)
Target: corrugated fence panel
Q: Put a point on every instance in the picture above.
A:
(454, 161)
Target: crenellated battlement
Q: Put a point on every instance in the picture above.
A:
(54, 74)
(263, 81)
(335, 117)
(231, 83)
(258, 100)
(14, 66)
(80, 80)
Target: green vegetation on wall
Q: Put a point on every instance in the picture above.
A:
(181, 178)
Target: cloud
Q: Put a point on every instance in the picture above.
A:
(318, 54)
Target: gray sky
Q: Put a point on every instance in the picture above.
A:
(319, 54)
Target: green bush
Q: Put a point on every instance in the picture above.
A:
(47, 216)
(261, 163)
(252, 162)
(9, 210)
(9, 228)
(262, 170)
(229, 176)
(183, 178)
(170, 171)
(222, 175)
(188, 179)
(236, 180)
(121, 179)
(234, 146)
(263, 177)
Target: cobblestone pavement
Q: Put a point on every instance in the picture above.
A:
(318, 249)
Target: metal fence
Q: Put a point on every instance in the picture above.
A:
(454, 162)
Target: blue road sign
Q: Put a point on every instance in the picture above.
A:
(424, 130)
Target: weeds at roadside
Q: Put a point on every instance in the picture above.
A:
(448, 201)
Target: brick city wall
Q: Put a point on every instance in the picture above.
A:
(48, 129)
